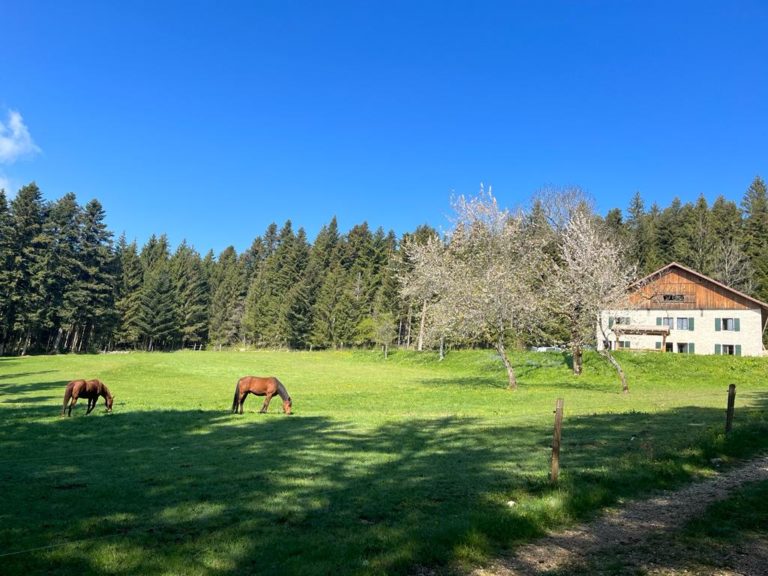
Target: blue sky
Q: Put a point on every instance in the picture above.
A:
(209, 120)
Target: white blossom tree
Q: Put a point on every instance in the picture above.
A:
(590, 276)
(482, 276)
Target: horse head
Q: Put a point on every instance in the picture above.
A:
(108, 401)
(287, 404)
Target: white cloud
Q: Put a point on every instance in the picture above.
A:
(15, 140)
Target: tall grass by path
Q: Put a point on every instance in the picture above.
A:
(386, 465)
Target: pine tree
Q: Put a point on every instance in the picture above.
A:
(294, 316)
(273, 296)
(636, 223)
(227, 295)
(755, 234)
(97, 276)
(702, 243)
(27, 277)
(158, 319)
(155, 252)
(192, 295)
(129, 285)
(6, 277)
(322, 255)
(331, 318)
(61, 237)
(670, 233)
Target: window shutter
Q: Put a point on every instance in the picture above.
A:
(738, 349)
(737, 324)
(610, 322)
(718, 349)
(690, 323)
(658, 345)
(658, 320)
(718, 324)
(691, 348)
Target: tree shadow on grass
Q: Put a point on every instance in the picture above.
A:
(203, 492)
(21, 375)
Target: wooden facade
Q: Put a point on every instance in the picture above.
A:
(676, 287)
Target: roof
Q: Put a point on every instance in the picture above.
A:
(679, 266)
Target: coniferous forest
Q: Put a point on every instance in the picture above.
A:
(67, 285)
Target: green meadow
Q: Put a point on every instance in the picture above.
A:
(399, 466)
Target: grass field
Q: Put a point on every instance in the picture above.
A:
(386, 467)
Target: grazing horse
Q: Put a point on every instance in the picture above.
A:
(90, 389)
(266, 387)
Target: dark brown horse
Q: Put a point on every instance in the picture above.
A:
(259, 386)
(90, 389)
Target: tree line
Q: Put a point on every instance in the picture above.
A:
(66, 285)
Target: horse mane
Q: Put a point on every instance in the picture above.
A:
(281, 391)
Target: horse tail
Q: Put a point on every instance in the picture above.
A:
(67, 398)
(235, 401)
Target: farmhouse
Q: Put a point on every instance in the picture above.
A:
(678, 310)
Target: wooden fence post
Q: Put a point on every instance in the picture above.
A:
(556, 440)
(729, 412)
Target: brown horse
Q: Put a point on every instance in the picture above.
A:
(266, 387)
(90, 389)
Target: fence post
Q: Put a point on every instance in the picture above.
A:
(556, 440)
(729, 412)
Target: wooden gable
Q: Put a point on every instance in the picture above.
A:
(677, 288)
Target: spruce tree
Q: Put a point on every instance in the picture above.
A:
(6, 263)
(27, 277)
(227, 295)
(323, 253)
(129, 293)
(702, 241)
(755, 234)
(192, 295)
(97, 277)
(330, 325)
(158, 318)
(61, 236)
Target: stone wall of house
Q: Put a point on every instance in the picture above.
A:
(704, 335)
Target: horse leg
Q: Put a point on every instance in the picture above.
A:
(72, 405)
(91, 405)
(265, 406)
(241, 401)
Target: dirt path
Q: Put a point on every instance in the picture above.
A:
(641, 534)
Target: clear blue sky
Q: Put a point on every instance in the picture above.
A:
(209, 120)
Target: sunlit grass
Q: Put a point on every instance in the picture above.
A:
(385, 465)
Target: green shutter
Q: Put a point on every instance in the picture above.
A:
(658, 345)
(718, 324)
(691, 348)
(658, 321)
(738, 349)
(718, 349)
(610, 321)
(737, 324)
(690, 323)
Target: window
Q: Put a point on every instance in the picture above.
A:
(669, 347)
(623, 343)
(682, 323)
(673, 297)
(728, 349)
(685, 348)
(729, 324)
(623, 320)
(668, 322)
